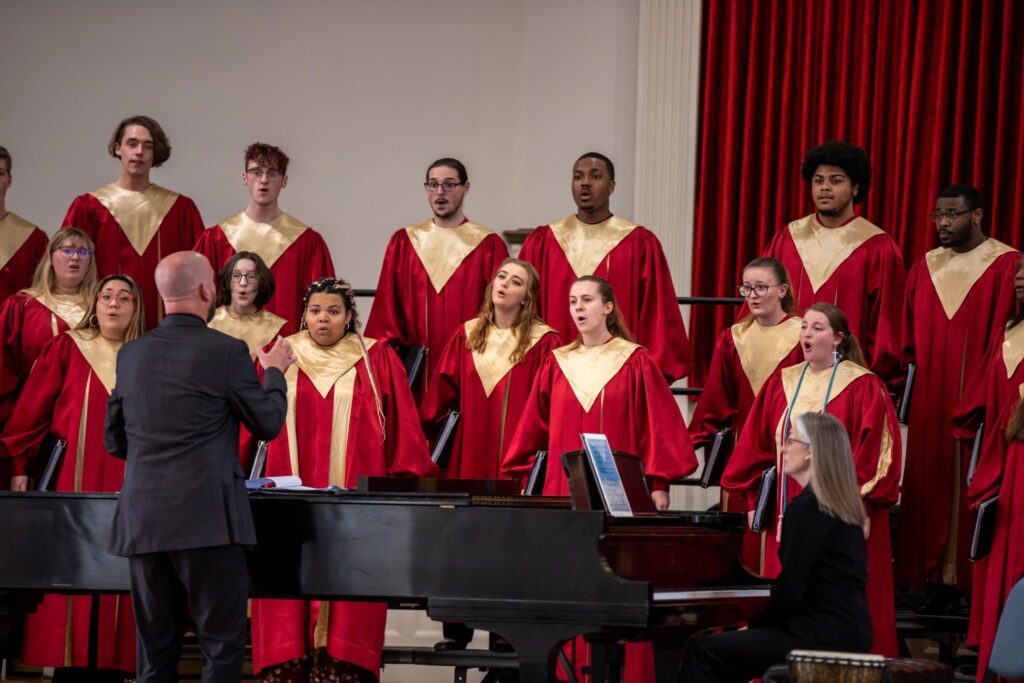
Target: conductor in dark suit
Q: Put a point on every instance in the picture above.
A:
(818, 602)
(183, 518)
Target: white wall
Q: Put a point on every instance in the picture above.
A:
(362, 95)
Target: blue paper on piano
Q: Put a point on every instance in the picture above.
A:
(606, 474)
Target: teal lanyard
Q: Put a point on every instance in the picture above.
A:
(789, 413)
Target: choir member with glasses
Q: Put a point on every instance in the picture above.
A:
(294, 252)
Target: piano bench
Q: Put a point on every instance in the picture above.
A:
(462, 660)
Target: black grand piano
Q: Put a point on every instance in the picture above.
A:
(531, 569)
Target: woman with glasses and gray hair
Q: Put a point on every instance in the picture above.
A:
(818, 601)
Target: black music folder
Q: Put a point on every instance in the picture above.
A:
(442, 452)
(259, 463)
(412, 358)
(972, 467)
(908, 391)
(51, 465)
(716, 455)
(984, 525)
(765, 500)
(535, 484)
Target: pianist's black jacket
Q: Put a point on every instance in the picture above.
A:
(821, 587)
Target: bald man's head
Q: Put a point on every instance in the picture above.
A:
(185, 282)
(179, 275)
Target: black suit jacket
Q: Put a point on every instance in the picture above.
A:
(820, 591)
(182, 390)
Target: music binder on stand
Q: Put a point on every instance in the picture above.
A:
(984, 526)
(765, 500)
(259, 463)
(51, 465)
(908, 392)
(718, 452)
(535, 484)
(972, 466)
(442, 453)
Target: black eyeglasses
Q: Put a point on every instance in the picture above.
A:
(237, 276)
(951, 215)
(760, 290)
(447, 186)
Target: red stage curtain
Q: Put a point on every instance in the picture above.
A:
(932, 89)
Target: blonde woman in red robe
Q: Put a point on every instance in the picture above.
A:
(66, 395)
(832, 380)
(745, 356)
(603, 383)
(486, 372)
(56, 302)
(350, 414)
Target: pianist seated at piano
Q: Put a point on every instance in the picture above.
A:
(350, 413)
(602, 383)
(66, 395)
(818, 601)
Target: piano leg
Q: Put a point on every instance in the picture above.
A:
(536, 646)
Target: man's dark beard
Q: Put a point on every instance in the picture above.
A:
(833, 213)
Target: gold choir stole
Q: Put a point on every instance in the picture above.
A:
(70, 308)
(1013, 350)
(442, 250)
(330, 367)
(494, 363)
(585, 245)
(269, 240)
(138, 213)
(954, 274)
(256, 330)
(101, 355)
(588, 369)
(14, 232)
(761, 349)
(822, 250)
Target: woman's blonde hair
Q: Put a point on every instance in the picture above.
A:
(137, 324)
(525, 319)
(833, 478)
(44, 281)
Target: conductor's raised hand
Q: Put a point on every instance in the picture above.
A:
(279, 356)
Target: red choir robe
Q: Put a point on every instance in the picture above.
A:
(984, 400)
(432, 281)
(258, 330)
(574, 392)
(22, 247)
(133, 231)
(956, 308)
(66, 395)
(745, 356)
(1005, 562)
(858, 268)
(488, 391)
(629, 256)
(29, 320)
(333, 435)
(861, 402)
(295, 253)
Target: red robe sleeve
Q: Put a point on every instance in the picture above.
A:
(664, 443)
(532, 432)
(718, 404)
(887, 281)
(405, 447)
(659, 322)
(755, 448)
(876, 443)
(444, 390)
(385, 323)
(30, 422)
(17, 274)
(13, 368)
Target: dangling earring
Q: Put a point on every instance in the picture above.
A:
(836, 356)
